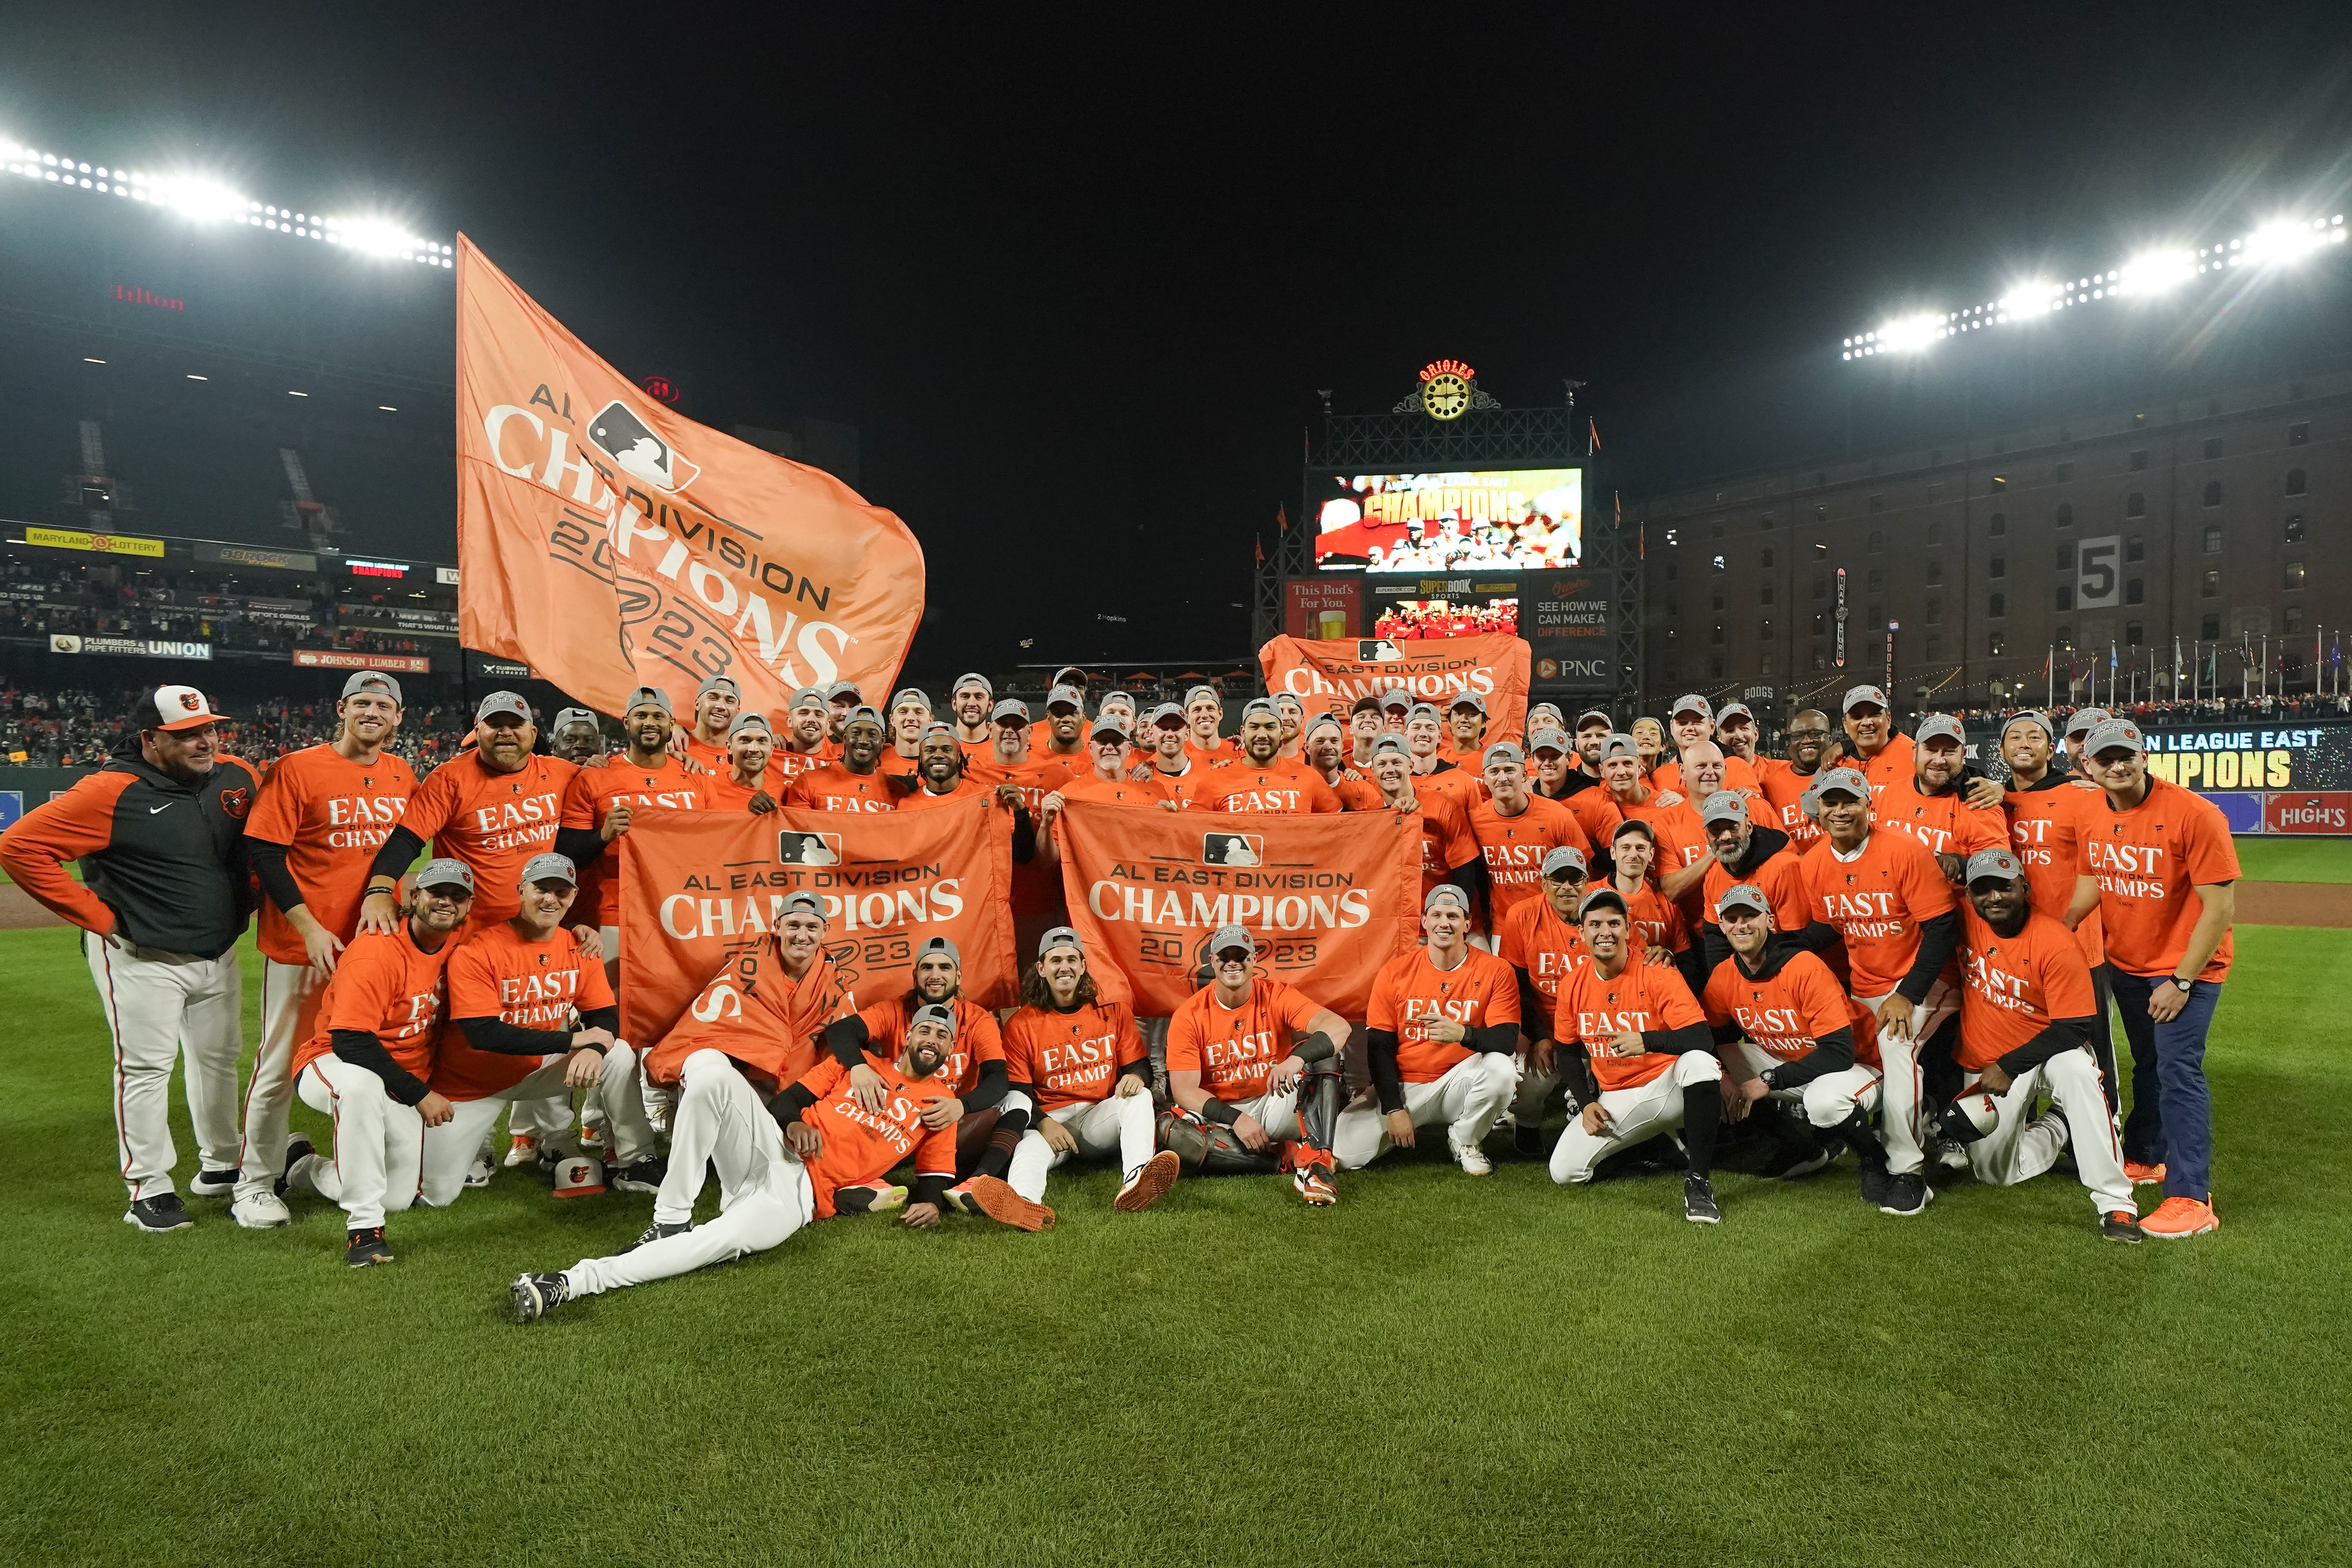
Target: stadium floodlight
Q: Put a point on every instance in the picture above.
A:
(2159, 271)
(2285, 242)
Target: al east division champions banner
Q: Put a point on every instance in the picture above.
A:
(1330, 676)
(608, 542)
(1329, 898)
(699, 886)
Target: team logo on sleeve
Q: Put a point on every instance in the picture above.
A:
(641, 453)
(1233, 849)
(794, 847)
(234, 801)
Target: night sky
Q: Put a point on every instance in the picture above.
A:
(1077, 279)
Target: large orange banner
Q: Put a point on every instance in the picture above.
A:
(1330, 677)
(1329, 898)
(697, 887)
(608, 542)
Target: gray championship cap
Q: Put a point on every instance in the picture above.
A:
(1593, 715)
(1122, 698)
(1199, 694)
(936, 727)
(1565, 857)
(1445, 892)
(1503, 751)
(1634, 825)
(862, 715)
(1557, 718)
(647, 696)
(808, 696)
(840, 689)
(1745, 896)
(2112, 735)
(1396, 697)
(1261, 705)
(719, 684)
(1066, 697)
(372, 681)
(542, 866)
(1226, 937)
(499, 703)
(1943, 726)
(1468, 700)
(973, 678)
(564, 716)
(1424, 710)
(2032, 715)
(1390, 743)
(1549, 739)
(1322, 719)
(1856, 697)
(914, 694)
(936, 944)
(1166, 713)
(1617, 743)
(932, 1012)
(2085, 719)
(1723, 805)
(1010, 710)
(1110, 726)
(1602, 898)
(1691, 702)
(445, 874)
(1061, 937)
(802, 904)
(749, 720)
(1842, 779)
(1997, 864)
(1724, 715)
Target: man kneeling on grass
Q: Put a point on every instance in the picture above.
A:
(809, 1153)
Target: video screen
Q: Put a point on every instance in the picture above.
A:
(1512, 519)
(1408, 619)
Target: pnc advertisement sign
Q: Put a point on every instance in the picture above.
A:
(1568, 619)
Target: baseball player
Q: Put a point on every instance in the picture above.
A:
(1254, 1063)
(1691, 722)
(1932, 805)
(1466, 723)
(1205, 714)
(1657, 921)
(1652, 1056)
(599, 803)
(939, 777)
(515, 990)
(1182, 777)
(810, 1153)
(1080, 1061)
(2160, 863)
(311, 836)
(1874, 749)
(1323, 753)
(1893, 905)
(1292, 713)
(1434, 773)
(1516, 830)
(2079, 725)
(973, 1079)
(1637, 802)
(1739, 850)
(575, 737)
(972, 698)
(1259, 781)
(1109, 782)
(1788, 1034)
(910, 715)
(1450, 855)
(159, 832)
(1551, 760)
(806, 742)
(854, 782)
(704, 739)
(750, 781)
(1443, 1032)
(2048, 808)
(1062, 732)
(368, 1065)
(1784, 780)
(2025, 1028)
(1023, 782)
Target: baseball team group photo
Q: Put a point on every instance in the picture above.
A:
(645, 921)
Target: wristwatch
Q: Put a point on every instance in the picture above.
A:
(2188, 988)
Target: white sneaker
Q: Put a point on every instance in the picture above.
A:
(1471, 1158)
(522, 1150)
(478, 1173)
(261, 1211)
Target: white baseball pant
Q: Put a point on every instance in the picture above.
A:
(1122, 1124)
(290, 1015)
(449, 1148)
(379, 1143)
(2018, 1150)
(1828, 1099)
(160, 1005)
(764, 1192)
(1635, 1115)
(1465, 1098)
(1900, 1086)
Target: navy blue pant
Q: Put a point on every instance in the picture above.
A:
(2171, 1120)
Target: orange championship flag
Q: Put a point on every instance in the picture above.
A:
(696, 887)
(610, 543)
(1328, 897)
(1330, 677)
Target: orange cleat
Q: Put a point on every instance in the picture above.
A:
(995, 1199)
(1151, 1178)
(2178, 1216)
(2144, 1175)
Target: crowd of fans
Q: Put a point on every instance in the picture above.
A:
(38, 600)
(1413, 619)
(75, 729)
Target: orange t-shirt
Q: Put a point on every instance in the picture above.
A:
(386, 986)
(498, 973)
(754, 1011)
(1115, 793)
(332, 815)
(1411, 993)
(1783, 788)
(1189, 788)
(2149, 860)
(921, 799)
(1946, 823)
(1782, 879)
(1893, 765)
(977, 1039)
(833, 788)
(1654, 919)
(2017, 985)
(1515, 847)
(1595, 811)
(1071, 1058)
(1357, 792)
(1041, 737)
(1236, 1049)
(1877, 901)
(722, 793)
(789, 765)
(1671, 829)
(594, 791)
(861, 1146)
(1644, 998)
(1785, 1014)
(2045, 833)
(1533, 937)
(1461, 783)
(1738, 777)
(1282, 789)
(492, 822)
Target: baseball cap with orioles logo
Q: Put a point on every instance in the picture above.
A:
(172, 708)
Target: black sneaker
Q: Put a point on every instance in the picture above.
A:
(653, 1232)
(1906, 1195)
(1527, 1142)
(367, 1246)
(645, 1176)
(536, 1295)
(1874, 1178)
(2121, 1225)
(212, 1184)
(298, 1149)
(159, 1214)
(1699, 1201)
(1789, 1162)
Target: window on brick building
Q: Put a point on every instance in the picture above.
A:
(2297, 481)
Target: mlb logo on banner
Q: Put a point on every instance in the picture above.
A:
(1233, 849)
(794, 847)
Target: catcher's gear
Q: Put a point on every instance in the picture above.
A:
(1209, 1149)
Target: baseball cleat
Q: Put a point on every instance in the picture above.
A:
(1904, 1194)
(536, 1295)
(1948, 1157)
(367, 1246)
(212, 1184)
(522, 1150)
(873, 1197)
(478, 1173)
(591, 1139)
(1791, 1162)
(994, 1198)
(1699, 1201)
(261, 1211)
(1874, 1178)
(158, 1214)
(655, 1231)
(2177, 1218)
(1152, 1177)
(2144, 1175)
(645, 1176)
(2120, 1225)
(298, 1149)
(1314, 1186)
(1471, 1157)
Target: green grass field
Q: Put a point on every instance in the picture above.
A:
(2289, 859)
(1437, 1371)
